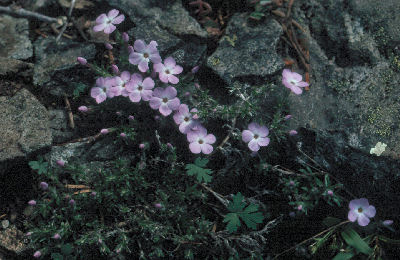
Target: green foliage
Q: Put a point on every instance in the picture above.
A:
(354, 240)
(197, 169)
(249, 215)
(40, 166)
(80, 88)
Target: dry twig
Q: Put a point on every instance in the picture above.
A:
(69, 111)
(20, 12)
(66, 23)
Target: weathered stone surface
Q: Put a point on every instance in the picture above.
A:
(247, 50)
(172, 17)
(59, 126)
(190, 54)
(11, 242)
(56, 67)
(10, 66)
(14, 40)
(375, 14)
(25, 126)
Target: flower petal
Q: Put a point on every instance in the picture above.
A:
(174, 103)
(99, 27)
(195, 147)
(125, 76)
(119, 19)
(155, 102)
(296, 90)
(302, 84)
(135, 58)
(354, 204)
(363, 220)
(147, 94)
(165, 110)
(192, 136)
(352, 216)
(163, 77)
(210, 139)
(172, 79)
(253, 145)
(170, 92)
(363, 203)
(158, 67)
(263, 141)
(286, 73)
(155, 58)
(206, 148)
(139, 45)
(170, 62)
(148, 83)
(370, 211)
(112, 13)
(295, 76)
(135, 96)
(247, 136)
(143, 65)
(253, 127)
(262, 131)
(109, 29)
(177, 70)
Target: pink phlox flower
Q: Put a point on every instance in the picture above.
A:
(200, 141)
(140, 89)
(255, 136)
(361, 211)
(143, 54)
(165, 100)
(184, 118)
(120, 84)
(168, 70)
(105, 22)
(293, 81)
(102, 90)
(37, 254)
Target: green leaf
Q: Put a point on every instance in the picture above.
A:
(389, 240)
(249, 215)
(353, 239)
(330, 221)
(202, 175)
(189, 254)
(343, 256)
(321, 242)
(257, 15)
(56, 256)
(40, 166)
(67, 249)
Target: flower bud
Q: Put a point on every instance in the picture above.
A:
(115, 69)
(108, 46)
(387, 222)
(130, 49)
(195, 69)
(287, 117)
(82, 61)
(93, 193)
(83, 109)
(104, 131)
(28, 234)
(131, 117)
(56, 236)
(169, 145)
(71, 202)
(123, 135)
(60, 163)
(141, 146)
(37, 254)
(32, 202)
(329, 192)
(44, 185)
(292, 132)
(158, 205)
(125, 37)
(300, 207)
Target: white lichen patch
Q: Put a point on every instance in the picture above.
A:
(378, 149)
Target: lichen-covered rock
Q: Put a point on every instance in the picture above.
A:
(10, 66)
(170, 16)
(190, 54)
(59, 126)
(56, 68)
(14, 40)
(12, 242)
(247, 50)
(24, 126)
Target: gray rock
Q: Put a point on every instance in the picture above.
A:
(190, 54)
(24, 126)
(9, 66)
(59, 126)
(11, 242)
(171, 17)
(247, 50)
(14, 40)
(56, 67)
(377, 14)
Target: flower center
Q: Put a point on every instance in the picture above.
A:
(293, 82)
(165, 100)
(360, 210)
(255, 136)
(140, 88)
(167, 72)
(146, 55)
(186, 119)
(201, 141)
(104, 89)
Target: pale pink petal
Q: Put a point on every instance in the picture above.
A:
(263, 141)
(286, 83)
(158, 67)
(136, 77)
(247, 136)
(295, 76)
(178, 69)
(302, 84)
(143, 66)
(165, 110)
(158, 92)
(261, 131)
(125, 76)
(148, 83)
(101, 19)
(253, 127)
(147, 94)
(363, 203)
(118, 19)
(354, 204)
(109, 29)
(169, 62)
(139, 45)
(155, 102)
(170, 92)
(99, 27)
(192, 136)
(155, 58)
(210, 139)
(112, 14)
(100, 98)
(206, 148)
(173, 104)
(352, 216)
(286, 73)
(135, 58)
(296, 90)
(370, 211)
(363, 220)
(178, 118)
(195, 147)
(253, 145)
(172, 79)
(94, 92)
(135, 96)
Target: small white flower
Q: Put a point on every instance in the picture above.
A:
(378, 149)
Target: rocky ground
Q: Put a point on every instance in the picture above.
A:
(353, 102)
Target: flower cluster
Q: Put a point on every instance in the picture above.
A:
(137, 86)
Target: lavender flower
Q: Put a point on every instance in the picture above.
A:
(102, 90)
(293, 81)
(120, 84)
(140, 89)
(200, 141)
(143, 54)
(44, 185)
(165, 100)
(105, 22)
(184, 119)
(361, 211)
(255, 136)
(168, 70)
